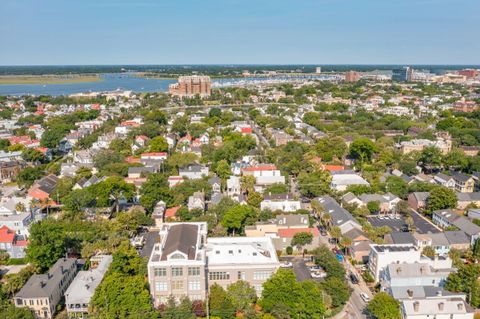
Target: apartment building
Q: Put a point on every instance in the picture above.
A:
(185, 262)
(448, 308)
(283, 202)
(42, 293)
(82, 289)
(191, 86)
(383, 255)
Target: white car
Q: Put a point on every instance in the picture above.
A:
(318, 274)
(365, 297)
(286, 264)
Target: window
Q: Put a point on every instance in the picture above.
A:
(177, 284)
(194, 271)
(160, 272)
(161, 286)
(261, 275)
(177, 271)
(177, 256)
(219, 275)
(258, 288)
(194, 285)
(241, 275)
(195, 297)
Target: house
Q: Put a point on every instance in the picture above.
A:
(138, 172)
(174, 181)
(233, 186)
(265, 175)
(171, 213)
(387, 202)
(43, 189)
(42, 293)
(339, 216)
(196, 201)
(463, 183)
(185, 262)
(418, 200)
(468, 199)
(156, 156)
(360, 247)
(415, 274)
(445, 180)
(84, 182)
(83, 157)
(13, 244)
(283, 202)
(80, 292)
(68, 169)
(193, 171)
(446, 218)
(18, 222)
(474, 213)
(451, 308)
(459, 240)
(383, 255)
(10, 170)
(216, 184)
(342, 179)
(438, 241)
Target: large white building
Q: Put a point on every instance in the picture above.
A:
(444, 308)
(283, 202)
(185, 262)
(383, 255)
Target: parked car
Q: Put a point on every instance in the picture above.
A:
(365, 297)
(353, 278)
(286, 264)
(318, 274)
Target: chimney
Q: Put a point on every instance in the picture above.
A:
(416, 306)
(399, 270)
(439, 293)
(441, 305)
(460, 306)
(410, 293)
(422, 270)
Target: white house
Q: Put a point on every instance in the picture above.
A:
(283, 202)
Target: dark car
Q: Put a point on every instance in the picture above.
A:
(353, 279)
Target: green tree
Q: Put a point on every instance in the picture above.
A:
(362, 149)
(314, 184)
(429, 251)
(384, 306)
(254, 199)
(242, 295)
(466, 280)
(48, 243)
(158, 144)
(301, 239)
(397, 186)
(276, 188)
(54, 134)
(220, 304)
(373, 206)
(431, 158)
(441, 198)
(223, 169)
(337, 289)
(234, 219)
(28, 175)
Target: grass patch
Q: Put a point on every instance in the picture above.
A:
(48, 79)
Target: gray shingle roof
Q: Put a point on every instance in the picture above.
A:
(339, 214)
(44, 285)
(183, 238)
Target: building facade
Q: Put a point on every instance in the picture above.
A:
(191, 86)
(186, 263)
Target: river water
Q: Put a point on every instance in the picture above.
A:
(128, 82)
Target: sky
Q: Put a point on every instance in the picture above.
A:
(75, 32)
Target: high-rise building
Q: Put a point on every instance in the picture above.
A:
(318, 69)
(186, 263)
(191, 86)
(404, 74)
(352, 76)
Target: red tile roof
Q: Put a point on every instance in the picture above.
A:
(6, 235)
(171, 212)
(269, 167)
(290, 232)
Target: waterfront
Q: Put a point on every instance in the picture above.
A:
(131, 82)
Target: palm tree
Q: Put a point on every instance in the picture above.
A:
(346, 243)
(335, 232)
(20, 207)
(326, 219)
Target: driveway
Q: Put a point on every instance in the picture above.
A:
(301, 270)
(422, 224)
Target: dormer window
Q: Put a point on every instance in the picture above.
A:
(177, 256)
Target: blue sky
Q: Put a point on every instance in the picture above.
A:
(239, 32)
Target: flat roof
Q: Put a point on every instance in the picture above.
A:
(241, 250)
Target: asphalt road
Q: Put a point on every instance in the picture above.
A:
(422, 225)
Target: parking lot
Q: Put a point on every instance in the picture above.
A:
(422, 225)
(396, 224)
(301, 270)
